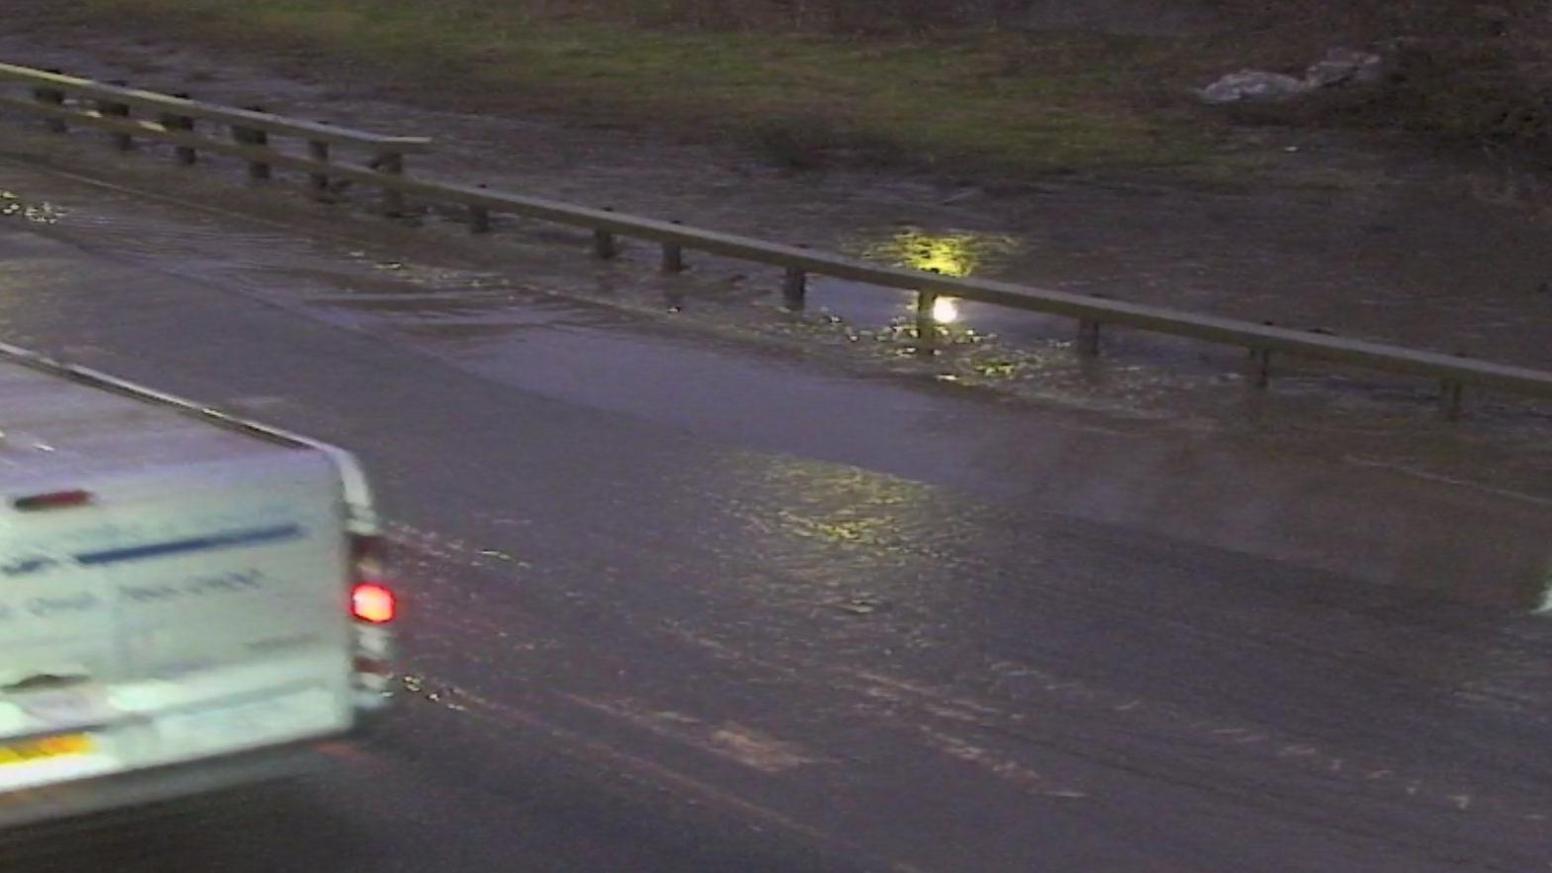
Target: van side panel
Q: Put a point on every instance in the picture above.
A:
(184, 613)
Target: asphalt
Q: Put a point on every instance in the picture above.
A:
(675, 604)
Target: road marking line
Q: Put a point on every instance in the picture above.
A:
(729, 740)
(597, 752)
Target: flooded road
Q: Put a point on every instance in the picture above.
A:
(1166, 446)
(694, 583)
(1372, 240)
(689, 596)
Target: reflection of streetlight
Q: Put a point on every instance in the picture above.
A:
(945, 310)
(945, 254)
(948, 254)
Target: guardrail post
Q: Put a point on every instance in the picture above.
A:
(318, 180)
(673, 256)
(1088, 338)
(479, 219)
(1261, 363)
(794, 289)
(109, 109)
(54, 98)
(604, 246)
(926, 325)
(1450, 399)
(479, 216)
(185, 155)
(391, 164)
(258, 171)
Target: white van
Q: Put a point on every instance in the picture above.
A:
(187, 600)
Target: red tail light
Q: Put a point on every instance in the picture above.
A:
(370, 600)
(374, 608)
(373, 603)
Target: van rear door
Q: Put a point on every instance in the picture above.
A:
(170, 615)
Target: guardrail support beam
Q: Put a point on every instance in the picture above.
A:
(1088, 338)
(479, 216)
(673, 255)
(258, 171)
(926, 325)
(184, 155)
(673, 258)
(121, 141)
(1451, 399)
(604, 246)
(318, 182)
(479, 219)
(794, 289)
(391, 164)
(1261, 367)
(55, 98)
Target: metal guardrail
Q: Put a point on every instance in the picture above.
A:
(65, 100)
(109, 107)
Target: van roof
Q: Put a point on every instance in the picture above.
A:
(59, 423)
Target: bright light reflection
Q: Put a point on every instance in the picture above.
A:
(42, 213)
(948, 254)
(945, 310)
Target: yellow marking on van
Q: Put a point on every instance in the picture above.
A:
(45, 748)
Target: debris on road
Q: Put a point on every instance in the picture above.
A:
(1339, 67)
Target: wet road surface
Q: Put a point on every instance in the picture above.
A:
(1371, 240)
(679, 605)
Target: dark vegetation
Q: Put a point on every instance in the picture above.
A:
(1471, 72)
(988, 83)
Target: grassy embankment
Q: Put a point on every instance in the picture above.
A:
(965, 100)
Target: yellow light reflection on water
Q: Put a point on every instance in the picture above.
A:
(950, 254)
(957, 254)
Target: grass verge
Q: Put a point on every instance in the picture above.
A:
(1013, 103)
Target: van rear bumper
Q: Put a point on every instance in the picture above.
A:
(154, 784)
